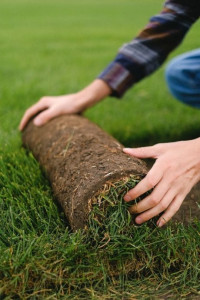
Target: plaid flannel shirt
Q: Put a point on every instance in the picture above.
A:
(144, 54)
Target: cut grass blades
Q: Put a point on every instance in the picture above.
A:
(109, 217)
(112, 258)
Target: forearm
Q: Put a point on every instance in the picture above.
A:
(93, 93)
(144, 54)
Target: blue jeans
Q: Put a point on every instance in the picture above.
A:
(183, 78)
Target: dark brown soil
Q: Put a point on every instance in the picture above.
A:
(79, 158)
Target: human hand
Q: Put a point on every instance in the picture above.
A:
(175, 172)
(50, 107)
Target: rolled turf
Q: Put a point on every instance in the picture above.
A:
(82, 163)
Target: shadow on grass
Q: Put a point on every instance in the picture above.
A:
(160, 135)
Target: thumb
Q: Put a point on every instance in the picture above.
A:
(44, 117)
(142, 152)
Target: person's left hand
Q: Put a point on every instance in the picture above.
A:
(175, 172)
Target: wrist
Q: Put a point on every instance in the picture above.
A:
(93, 93)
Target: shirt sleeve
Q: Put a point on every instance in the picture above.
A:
(144, 54)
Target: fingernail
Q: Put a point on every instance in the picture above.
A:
(138, 220)
(127, 149)
(127, 198)
(160, 223)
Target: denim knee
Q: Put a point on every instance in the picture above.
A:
(183, 78)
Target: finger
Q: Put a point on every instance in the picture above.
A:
(153, 199)
(170, 212)
(175, 205)
(33, 110)
(163, 205)
(146, 184)
(143, 152)
(45, 116)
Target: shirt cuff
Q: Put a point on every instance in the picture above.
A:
(118, 78)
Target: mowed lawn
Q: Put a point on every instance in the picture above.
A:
(57, 47)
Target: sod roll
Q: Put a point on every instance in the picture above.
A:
(80, 159)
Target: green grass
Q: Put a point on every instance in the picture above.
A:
(54, 47)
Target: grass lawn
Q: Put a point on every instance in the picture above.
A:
(55, 47)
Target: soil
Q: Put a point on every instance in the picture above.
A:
(79, 158)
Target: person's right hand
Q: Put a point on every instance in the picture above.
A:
(51, 106)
